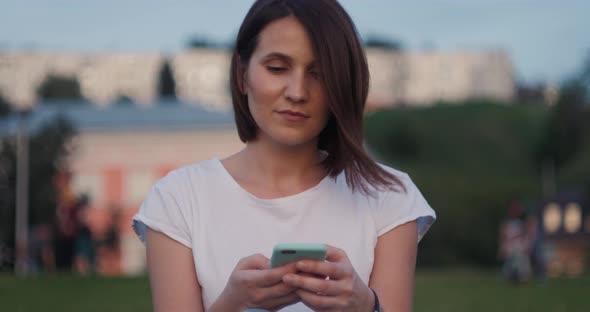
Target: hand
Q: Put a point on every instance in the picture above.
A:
(253, 285)
(343, 291)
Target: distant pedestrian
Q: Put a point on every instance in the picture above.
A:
(514, 248)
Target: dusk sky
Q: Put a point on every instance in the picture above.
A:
(546, 40)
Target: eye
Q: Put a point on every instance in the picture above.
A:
(275, 69)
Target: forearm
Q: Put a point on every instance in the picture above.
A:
(224, 304)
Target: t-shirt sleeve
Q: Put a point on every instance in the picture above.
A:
(397, 208)
(164, 210)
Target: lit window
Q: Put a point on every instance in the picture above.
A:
(572, 220)
(551, 218)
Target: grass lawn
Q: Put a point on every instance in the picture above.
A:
(460, 290)
(479, 291)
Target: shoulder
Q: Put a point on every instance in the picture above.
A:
(400, 190)
(205, 168)
(402, 176)
(402, 204)
(171, 206)
(187, 178)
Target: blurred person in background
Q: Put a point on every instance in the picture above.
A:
(109, 245)
(42, 255)
(299, 82)
(66, 221)
(534, 233)
(85, 255)
(514, 247)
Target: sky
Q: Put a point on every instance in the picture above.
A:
(547, 41)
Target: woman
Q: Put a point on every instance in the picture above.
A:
(299, 81)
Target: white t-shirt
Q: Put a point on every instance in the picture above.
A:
(204, 208)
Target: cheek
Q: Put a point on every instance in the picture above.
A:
(262, 89)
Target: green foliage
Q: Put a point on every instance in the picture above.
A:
(167, 85)
(578, 167)
(565, 143)
(48, 149)
(5, 107)
(58, 87)
(382, 42)
(204, 42)
(475, 136)
(563, 133)
(468, 160)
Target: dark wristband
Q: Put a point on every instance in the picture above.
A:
(377, 307)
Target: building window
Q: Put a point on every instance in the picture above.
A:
(572, 220)
(552, 218)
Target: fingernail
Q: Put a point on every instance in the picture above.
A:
(300, 264)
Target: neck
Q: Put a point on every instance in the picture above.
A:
(279, 163)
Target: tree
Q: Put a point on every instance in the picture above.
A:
(585, 74)
(403, 141)
(59, 87)
(375, 41)
(564, 131)
(200, 42)
(167, 85)
(49, 148)
(5, 107)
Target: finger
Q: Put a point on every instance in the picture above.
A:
(324, 268)
(253, 262)
(276, 291)
(315, 285)
(301, 273)
(320, 302)
(334, 254)
(270, 277)
(279, 303)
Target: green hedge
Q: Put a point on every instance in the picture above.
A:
(469, 160)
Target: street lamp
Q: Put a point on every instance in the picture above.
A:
(22, 192)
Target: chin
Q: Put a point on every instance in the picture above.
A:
(292, 142)
(293, 139)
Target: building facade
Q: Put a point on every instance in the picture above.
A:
(202, 76)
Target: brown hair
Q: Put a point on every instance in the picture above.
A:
(345, 76)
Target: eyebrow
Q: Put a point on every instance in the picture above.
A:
(278, 55)
(284, 57)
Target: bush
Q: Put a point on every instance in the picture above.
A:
(468, 160)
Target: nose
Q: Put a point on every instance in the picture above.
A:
(297, 89)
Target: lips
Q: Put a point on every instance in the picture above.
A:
(293, 116)
(293, 113)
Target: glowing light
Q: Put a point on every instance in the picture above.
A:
(552, 218)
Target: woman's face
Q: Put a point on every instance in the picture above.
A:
(282, 80)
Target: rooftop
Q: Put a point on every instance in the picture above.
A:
(163, 115)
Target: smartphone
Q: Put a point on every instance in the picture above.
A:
(286, 253)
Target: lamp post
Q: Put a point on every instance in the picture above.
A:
(22, 194)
